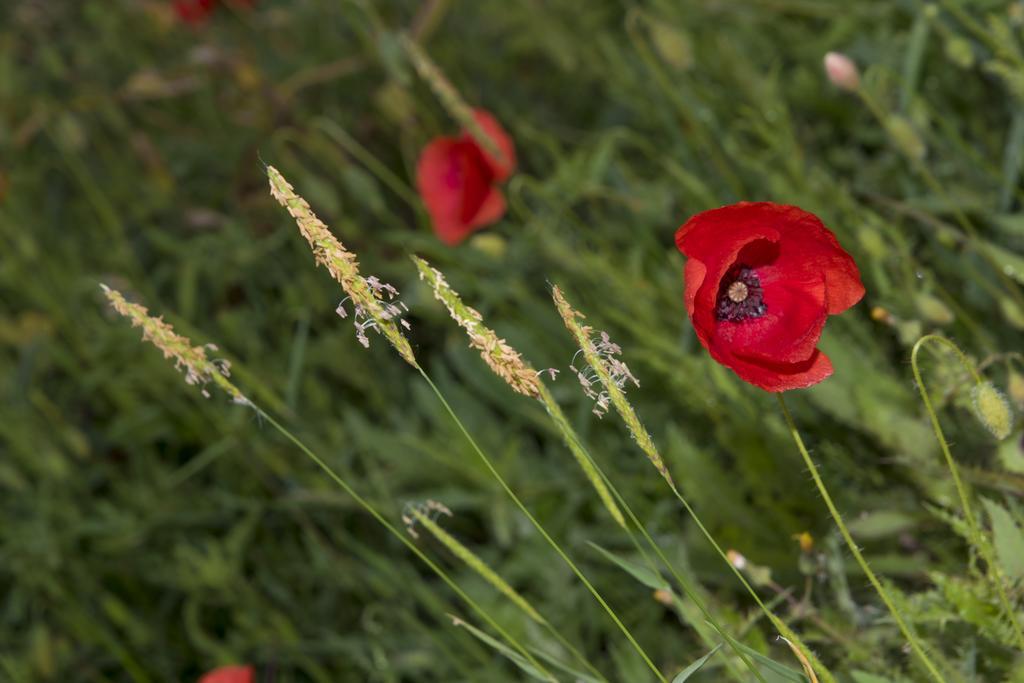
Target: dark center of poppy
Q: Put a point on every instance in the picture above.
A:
(740, 296)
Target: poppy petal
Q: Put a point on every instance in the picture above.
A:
(788, 331)
(491, 210)
(777, 377)
(809, 244)
(502, 168)
(439, 179)
(230, 674)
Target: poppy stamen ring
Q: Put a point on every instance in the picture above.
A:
(740, 296)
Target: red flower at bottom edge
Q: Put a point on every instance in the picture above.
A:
(761, 279)
(197, 11)
(230, 674)
(456, 178)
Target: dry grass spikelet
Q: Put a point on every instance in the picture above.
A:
(192, 361)
(371, 298)
(505, 361)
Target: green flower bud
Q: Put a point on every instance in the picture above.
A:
(959, 51)
(933, 310)
(906, 138)
(1015, 387)
(992, 409)
(672, 45)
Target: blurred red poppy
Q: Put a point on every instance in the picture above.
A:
(230, 674)
(761, 279)
(457, 179)
(197, 11)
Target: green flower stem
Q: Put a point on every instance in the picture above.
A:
(365, 504)
(980, 544)
(537, 525)
(912, 639)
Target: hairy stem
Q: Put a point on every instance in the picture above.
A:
(912, 639)
(973, 529)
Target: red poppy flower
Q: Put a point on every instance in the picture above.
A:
(456, 178)
(230, 674)
(194, 11)
(197, 11)
(761, 279)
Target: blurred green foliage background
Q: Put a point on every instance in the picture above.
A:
(148, 534)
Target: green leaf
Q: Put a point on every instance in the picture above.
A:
(644, 575)
(696, 666)
(1011, 263)
(577, 675)
(913, 57)
(505, 651)
(1013, 155)
(1009, 540)
(772, 670)
(864, 677)
(881, 524)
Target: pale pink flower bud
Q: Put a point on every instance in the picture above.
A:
(842, 71)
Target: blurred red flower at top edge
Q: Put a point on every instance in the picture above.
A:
(197, 11)
(761, 279)
(230, 674)
(457, 179)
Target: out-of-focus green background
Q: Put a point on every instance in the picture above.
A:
(148, 534)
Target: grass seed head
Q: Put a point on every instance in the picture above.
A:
(505, 361)
(192, 361)
(612, 375)
(374, 303)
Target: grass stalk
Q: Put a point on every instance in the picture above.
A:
(473, 561)
(201, 371)
(540, 528)
(581, 333)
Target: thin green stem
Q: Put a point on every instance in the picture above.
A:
(540, 529)
(350, 145)
(912, 639)
(783, 628)
(365, 504)
(961, 488)
(558, 417)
